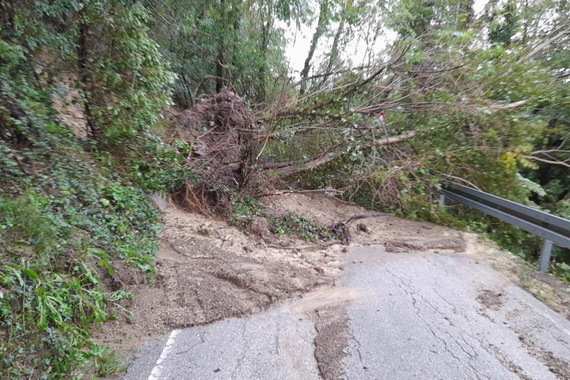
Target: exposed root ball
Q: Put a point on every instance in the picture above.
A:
(219, 128)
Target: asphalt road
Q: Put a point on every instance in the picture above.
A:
(391, 316)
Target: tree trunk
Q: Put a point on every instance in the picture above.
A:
(85, 80)
(321, 28)
(465, 16)
(6, 17)
(267, 25)
(221, 57)
(333, 57)
(326, 157)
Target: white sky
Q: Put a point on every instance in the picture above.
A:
(299, 41)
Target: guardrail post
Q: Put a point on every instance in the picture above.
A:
(442, 199)
(545, 256)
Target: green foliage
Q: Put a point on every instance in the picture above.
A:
(503, 30)
(63, 222)
(50, 290)
(106, 362)
(128, 83)
(292, 224)
(154, 165)
(562, 271)
(487, 95)
(56, 241)
(245, 209)
(229, 44)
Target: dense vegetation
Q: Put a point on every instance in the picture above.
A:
(481, 98)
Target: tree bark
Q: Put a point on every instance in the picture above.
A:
(321, 28)
(333, 57)
(221, 57)
(82, 48)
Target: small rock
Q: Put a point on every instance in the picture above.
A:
(319, 270)
(362, 227)
(204, 231)
(354, 261)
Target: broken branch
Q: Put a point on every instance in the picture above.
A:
(325, 158)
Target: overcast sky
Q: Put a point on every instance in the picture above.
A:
(299, 40)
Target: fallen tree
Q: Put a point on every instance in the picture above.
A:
(291, 168)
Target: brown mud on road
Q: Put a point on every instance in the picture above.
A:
(396, 234)
(207, 270)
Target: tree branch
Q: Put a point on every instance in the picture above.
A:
(508, 106)
(325, 157)
(556, 38)
(551, 162)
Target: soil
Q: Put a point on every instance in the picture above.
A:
(491, 299)
(332, 325)
(547, 288)
(219, 128)
(207, 270)
(396, 234)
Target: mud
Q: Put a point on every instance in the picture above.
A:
(544, 286)
(331, 342)
(558, 366)
(396, 234)
(206, 271)
(490, 299)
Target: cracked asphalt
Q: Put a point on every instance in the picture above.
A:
(390, 316)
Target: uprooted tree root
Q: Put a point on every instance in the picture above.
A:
(219, 129)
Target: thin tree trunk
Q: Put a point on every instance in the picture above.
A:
(325, 158)
(333, 57)
(7, 17)
(525, 28)
(221, 57)
(465, 16)
(85, 80)
(265, 30)
(321, 28)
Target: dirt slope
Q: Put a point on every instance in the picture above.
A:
(207, 270)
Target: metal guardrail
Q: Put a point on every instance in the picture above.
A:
(555, 230)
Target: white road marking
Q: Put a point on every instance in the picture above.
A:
(155, 374)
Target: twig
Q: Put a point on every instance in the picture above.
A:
(366, 216)
(501, 107)
(314, 191)
(21, 165)
(552, 162)
(462, 180)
